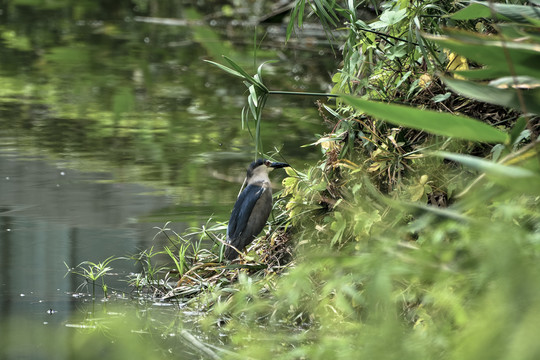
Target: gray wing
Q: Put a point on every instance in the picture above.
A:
(242, 210)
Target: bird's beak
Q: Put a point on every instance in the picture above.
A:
(278, 165)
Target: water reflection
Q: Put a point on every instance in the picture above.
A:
(111, 124)
(51, 215)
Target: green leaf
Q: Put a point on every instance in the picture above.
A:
(259, 69)
(326, 15)
(396, 51)
(519, 126)
(392, 17)
(492, 51)
(338, 226)
(516, 13)
(517, 178)
(245, 75)
(252, 106)
(493, 95)
(496, 152)
(237, 67)
(441, 97)
(225, 68)
(438, 123)
(290, 25)
(473, 11)
(301, 12)
(389, 18)
(253, 95)
(487, 166)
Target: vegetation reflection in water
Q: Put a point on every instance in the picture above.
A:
(116, 328)
(390, 261)
(127, 98)
(133, 98)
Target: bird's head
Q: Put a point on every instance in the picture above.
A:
(261, 167)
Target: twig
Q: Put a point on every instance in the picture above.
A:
(388, 36)
(196, 267)
(301, 93)
(199, 345)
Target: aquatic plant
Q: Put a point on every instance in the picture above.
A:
(92, 272)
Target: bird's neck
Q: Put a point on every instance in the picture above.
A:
(260, 176)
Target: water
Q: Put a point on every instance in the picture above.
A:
(111, 124)
(52, 215)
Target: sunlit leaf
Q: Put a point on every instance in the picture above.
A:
(253, 95)
(439, 123)
(456, 63)
(389, 18)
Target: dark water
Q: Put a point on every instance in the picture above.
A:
(112, 124)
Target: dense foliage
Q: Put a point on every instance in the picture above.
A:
(416, 236)
(418, 233)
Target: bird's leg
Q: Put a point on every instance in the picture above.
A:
(229, 245)
(234, 248)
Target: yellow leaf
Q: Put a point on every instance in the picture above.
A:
(424, 81)
(456, 63)
(416, 192)
(374, 167)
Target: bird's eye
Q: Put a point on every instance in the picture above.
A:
(267, 162)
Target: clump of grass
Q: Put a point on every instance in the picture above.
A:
(92, 273)
(192, 263)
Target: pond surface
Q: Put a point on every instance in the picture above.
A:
(111, 125)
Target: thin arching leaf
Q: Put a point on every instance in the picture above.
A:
(225, 68)
(301, 7)
(253, 95)
(290, 25)
(519, 126)
(245, 75)
(513, 177)
(325, 11)
(512, 12)
(504, 97)
(439, 123)
(492, 51)
(487, 166)
(259, 69)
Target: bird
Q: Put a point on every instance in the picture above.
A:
(252, 208)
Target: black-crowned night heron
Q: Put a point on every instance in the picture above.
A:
(252, 207)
